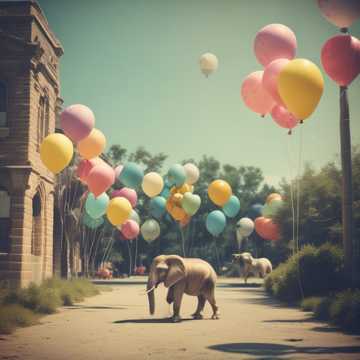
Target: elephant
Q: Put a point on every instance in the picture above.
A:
(258, 267)
(191, 276)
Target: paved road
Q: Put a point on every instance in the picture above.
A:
(116, 325)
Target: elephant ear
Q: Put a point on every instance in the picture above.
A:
(177, 270)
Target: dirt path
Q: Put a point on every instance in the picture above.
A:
(116, 325)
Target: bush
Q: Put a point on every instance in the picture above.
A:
(12, 316)
(310, 303)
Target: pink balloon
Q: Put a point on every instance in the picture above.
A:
(340, 58)
(269, 80)
(254, 94)
(130, 229)
(85, 166)
(283, 117)
(127, 193)
(274, 41)
(77, 121)
(118, 170)
(100, 179)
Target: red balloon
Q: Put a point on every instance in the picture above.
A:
(100, 178)
(84, 167)
(283, 117)
(130, 229)
(340, 58)
(267, 229)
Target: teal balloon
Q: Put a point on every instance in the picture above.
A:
(96, 207)
(232, 207)
(131, 175)
(176, 175)
(191, 203)
(216, 222)
(157, 206)
(91, 223)
(165, 192)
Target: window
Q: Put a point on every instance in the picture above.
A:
(3, 104)
(43, 119)
(36, 225)
(4, 221)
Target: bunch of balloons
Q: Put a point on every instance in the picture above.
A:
(289, 89)
(220, 193)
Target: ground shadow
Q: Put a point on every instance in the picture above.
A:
(117, 282)
(239, 285)
(149, 321)
(265, 349)
(288, 320)
(94, 307)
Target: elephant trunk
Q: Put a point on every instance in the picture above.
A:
(151, 284)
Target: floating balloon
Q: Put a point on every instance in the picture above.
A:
(255, 211)
(232, 207)
(216, 222)
(181, 189)
(176, 175)
(178, 213)
(177, 199)
(272, 197)
(192, 173)
(93, 145)
(157, 206)
(185, 221)
(254, 95)
(275, 205)
(340, 58)
(165, 192)
(152, 184)
(84, 167)
(150, 230)
(270, 77)
(341, 13)
(130, 229)
(126, 193)
(245, 226)
(267, 229)
(56, 152)
(219, 192)
(283, 117)
(131, 175)
(77, 121)
(91, 223)
(300, 86)
(118, 210)
(100, 179)
(96, 207)
(191, 203)
(134, 216)
(208, 63)
(118, 169)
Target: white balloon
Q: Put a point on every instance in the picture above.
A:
(245, 226)
(150, 230)
(208, 63)
(192, 173)
(135, 216)
(152, 184)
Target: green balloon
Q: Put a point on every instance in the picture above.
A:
(91, 223)
(191, 203)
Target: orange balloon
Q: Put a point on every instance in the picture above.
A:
(219, 192)
(93, 145)
(177, 198)
(169, 205)
(272, 197)
(178, 213)
(182, 189)
(185, 220)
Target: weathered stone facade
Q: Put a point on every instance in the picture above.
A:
(29, 103)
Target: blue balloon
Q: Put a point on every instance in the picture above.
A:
(176, 175)
(96, 207)
(165, 192)
(216, 222)
(232, 207)
(131, 175)
(255, 211)
(90, 222)
(157, 206)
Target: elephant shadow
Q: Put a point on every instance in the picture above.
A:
(150, 321)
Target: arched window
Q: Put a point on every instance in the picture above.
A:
(3, 104)
(43, 119)
(4, 221)
(36, 225)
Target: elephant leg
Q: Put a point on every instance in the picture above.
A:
(178, 294)
(211, 299)
(170, 295)
(200, 307)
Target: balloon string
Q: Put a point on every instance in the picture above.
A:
(216, 254)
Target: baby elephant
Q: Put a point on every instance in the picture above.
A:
(180, 275)
(258, 267)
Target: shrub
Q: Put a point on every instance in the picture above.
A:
(310, 303)
(12, 316)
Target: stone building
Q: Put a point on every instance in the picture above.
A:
(29, 103)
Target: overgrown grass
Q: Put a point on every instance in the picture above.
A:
(22, 307)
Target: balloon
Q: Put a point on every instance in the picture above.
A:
(100, 179)
(118, 169)
(300, 86)
(192, 173)
(208, 63)
(56, 152)
(275, 205)
(91, 223)
(340, 58)
(176, 175)
(245, 226)
(84, 167)
(157, 206)
(134, 216)
(130, 229)
(232, 207)
(181, 189)
(270, 77)
(272, 197)
(96, 207)
(165, 192)
(219, 192)
(118, 210)
(255, 211)
(341, 13)
(132, 175)
(183, 222)
(177, 198)
(267, 229)
(152, 184)
(254, 95)
(178, 213)
(191, 203)
(126, 193)
(216, 222)
(77, 121)
(93, 145)
(283, 117)
(274, 41)
(150, 230)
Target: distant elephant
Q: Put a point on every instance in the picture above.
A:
(249, 265)
(180, 275)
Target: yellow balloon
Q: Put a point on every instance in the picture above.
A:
(177, 198)
(272, 197)
(300, 85)
(93, 145)
(118, 210)
(56, 152)
(219, 192)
